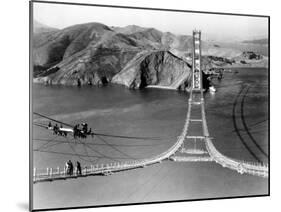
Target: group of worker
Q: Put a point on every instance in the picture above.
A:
(69, 168)
(81, 132)
(56, 129)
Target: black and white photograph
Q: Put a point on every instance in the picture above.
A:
(132, 105)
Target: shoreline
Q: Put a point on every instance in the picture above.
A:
(161, 87)
(245, 66)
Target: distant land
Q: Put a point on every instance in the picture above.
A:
(258, 41)
(39, 27)
(133, 56)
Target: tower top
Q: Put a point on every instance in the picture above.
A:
(195, 31)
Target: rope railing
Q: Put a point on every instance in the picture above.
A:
(258, 169)
(240, 166)
(191, 159)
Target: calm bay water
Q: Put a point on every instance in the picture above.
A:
(150, 113)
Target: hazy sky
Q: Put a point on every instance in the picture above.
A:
(218, 27)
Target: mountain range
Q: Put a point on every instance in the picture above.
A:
(134, 56)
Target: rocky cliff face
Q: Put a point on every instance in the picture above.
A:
(155, 68)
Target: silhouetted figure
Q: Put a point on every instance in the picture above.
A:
(56, 129)
(78, 82)
(85, 127)
(75, 131)
(78, 168)
(69, 167)
(59, 130)
(50, 124)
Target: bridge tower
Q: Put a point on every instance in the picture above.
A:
(196, 62)
(193, 147)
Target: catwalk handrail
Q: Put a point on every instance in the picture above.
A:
(238, 165)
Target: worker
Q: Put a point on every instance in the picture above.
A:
(75, 131)
(70, 167)
(78, 168)
(67, 168)
(56, 128)
(86, 128)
